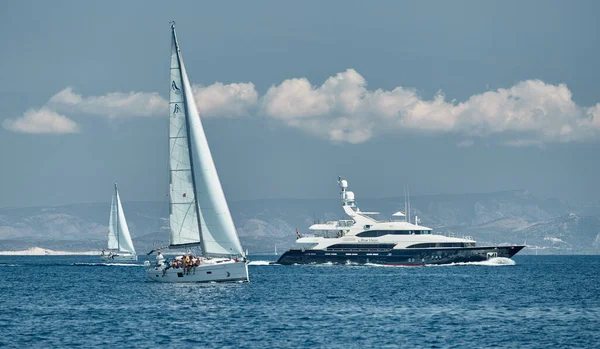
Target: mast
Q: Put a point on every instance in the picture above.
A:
(117, 207)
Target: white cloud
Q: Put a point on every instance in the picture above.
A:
(593, 114)
(344, 110)
(221, 100)
(112, 105)
(295, 98)
(41, 120)
(216, 100)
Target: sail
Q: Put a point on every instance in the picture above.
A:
(214, 228)
(124, 238)
(113, 238)
(183, 212)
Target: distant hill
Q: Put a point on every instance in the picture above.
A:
(545, 225)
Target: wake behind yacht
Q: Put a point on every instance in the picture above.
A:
(362, 239)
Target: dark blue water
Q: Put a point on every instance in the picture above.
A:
(542, 301)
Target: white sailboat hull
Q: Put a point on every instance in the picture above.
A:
(121, 257)
(220, 271)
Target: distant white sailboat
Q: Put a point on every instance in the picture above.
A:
(120, 246)
(199, 215)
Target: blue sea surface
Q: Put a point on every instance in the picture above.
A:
(69, 301)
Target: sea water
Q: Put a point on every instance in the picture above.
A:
(533, 302)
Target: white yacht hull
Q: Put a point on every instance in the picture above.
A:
(126, 257)
(220, 271)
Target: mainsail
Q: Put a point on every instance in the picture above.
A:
(118, 232)
(199, 214)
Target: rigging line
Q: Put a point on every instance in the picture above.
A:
(174, 124)
(175, 143)
(186, 214)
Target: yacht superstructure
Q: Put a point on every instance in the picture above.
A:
(362, 239)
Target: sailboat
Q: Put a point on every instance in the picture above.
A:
(199, 216)
(120, 246)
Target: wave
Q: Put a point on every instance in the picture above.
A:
(326, 264)
(9, 265)
(262, 263)
(107, 265)
(390, 265)
(492, 262)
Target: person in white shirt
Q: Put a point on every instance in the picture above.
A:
(160, 259)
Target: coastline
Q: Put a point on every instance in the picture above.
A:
(39, 251)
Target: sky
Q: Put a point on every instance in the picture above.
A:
(446, 97)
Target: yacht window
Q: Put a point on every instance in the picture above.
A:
(360, 247)
(439, 244)
(377, 233)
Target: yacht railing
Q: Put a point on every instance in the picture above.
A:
(359, 249)
(454, 235)
(343, 223)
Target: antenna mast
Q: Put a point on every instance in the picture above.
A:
(405, 204)
(408, 195)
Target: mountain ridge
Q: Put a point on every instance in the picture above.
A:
(513, 216)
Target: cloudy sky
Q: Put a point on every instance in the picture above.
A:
(458, 97)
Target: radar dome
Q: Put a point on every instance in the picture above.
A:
(349, 196)
(344, 183)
